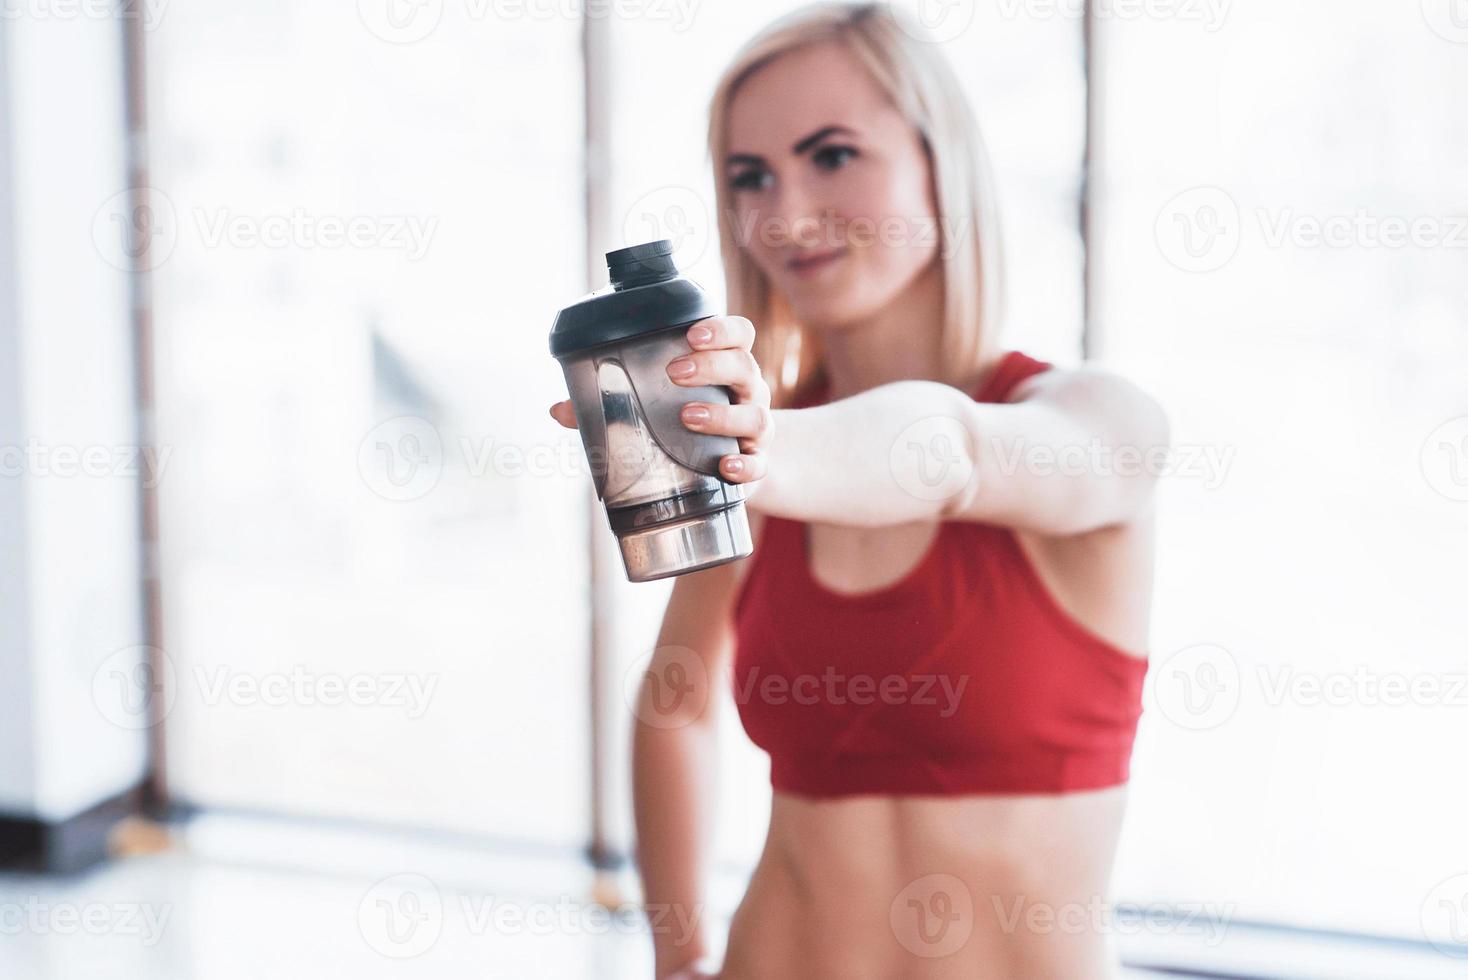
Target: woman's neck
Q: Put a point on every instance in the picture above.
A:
(902, 341)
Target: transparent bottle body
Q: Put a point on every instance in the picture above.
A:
(656, 477)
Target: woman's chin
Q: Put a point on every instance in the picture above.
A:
(823, 316)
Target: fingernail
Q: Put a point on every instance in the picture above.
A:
(735, 465)
(700, 335)
(695, 413)
(681, 368)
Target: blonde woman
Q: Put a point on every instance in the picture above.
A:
(940, 639)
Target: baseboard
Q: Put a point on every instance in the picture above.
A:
(66, 846)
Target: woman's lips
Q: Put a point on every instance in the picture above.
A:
(812, 262)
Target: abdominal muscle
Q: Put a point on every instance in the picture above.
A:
(1008, 887)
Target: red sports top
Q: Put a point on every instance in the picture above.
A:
(965, 676)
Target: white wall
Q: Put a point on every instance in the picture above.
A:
(1323, 560)
(69, 589)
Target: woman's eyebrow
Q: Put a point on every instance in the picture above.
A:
(801, 145)
(805, 144)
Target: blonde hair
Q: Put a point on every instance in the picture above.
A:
(920, 83)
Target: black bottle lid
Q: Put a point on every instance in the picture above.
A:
(647, 294)
(638, 265)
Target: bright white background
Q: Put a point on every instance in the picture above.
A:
(304, 528)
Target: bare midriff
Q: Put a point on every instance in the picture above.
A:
(1004, 887)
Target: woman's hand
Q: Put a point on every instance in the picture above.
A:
(721, 356)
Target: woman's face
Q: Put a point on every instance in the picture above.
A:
(830, 186)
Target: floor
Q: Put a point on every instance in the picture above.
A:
(190, 916)
(236, 898)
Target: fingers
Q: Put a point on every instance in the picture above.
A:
(721, 356)
(733, 367)
(564, 413)
(743, 467)
(749, 422)
(721, 331)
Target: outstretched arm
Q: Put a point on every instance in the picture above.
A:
(1079, 450)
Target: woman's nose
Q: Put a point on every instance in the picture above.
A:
(806, 230)
(803, 214)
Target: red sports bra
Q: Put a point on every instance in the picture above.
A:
(964, 676)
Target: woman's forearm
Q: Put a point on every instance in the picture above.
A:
(671, 802)
(1082, 451)
(892, 454)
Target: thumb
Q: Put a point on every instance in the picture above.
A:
(563, 413)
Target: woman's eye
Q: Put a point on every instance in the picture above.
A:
(833, 157)
(750, 180)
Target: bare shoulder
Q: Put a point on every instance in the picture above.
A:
(1100, 393)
